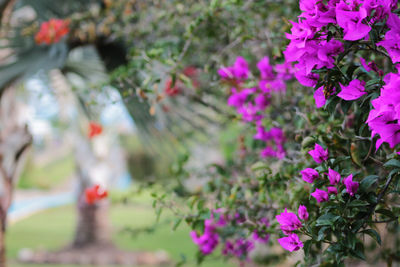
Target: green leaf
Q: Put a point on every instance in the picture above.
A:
(260, 166)
(374, 234)
(359, 251)
(386, 212)
(321, 233)
(176, 223)
(358, 203)
(307, 247)
(372, 82)
(368, 181)
(392, 163)
(327, 219)
(351, 240)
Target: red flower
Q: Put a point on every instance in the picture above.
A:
(192, 73)
(169, 90)
(95, 129)
(52, 31)
(94, 194)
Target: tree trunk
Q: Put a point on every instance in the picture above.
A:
(2, 241)
(15, 141)
(92, 227)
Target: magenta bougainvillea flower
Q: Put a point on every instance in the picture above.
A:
(238, 98)
(392, 38)
(319, 154)
(332, 190)
(353, 91)
(320, 195)
(351, 186)
(288, 221)
(251, 103)
(303, 214)
(291, 242)
(383, 119)
(309, 80)
(309, 175)
(266, 69)
(208, 241)
(366, 66)
(228, 248)
(370, 66)
(239, 247)
(259, 234)
(334, 176)
(239, 70)
(352, 21)
(319, 97)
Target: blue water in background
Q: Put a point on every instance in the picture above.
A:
(29, 206)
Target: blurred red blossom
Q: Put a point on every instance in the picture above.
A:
(94, 194)
(95, 129)
(52, 31)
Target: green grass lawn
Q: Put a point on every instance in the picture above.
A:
(48, 176)
(52, 229)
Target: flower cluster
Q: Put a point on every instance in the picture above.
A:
(289, 222)
(309, 175)
(251, 103)
(94, 194)
(237, 246)
(312, 46)
(384, 118)
(392, 38)
(209, 240)
(52, 31)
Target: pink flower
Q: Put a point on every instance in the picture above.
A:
(260, 235)
(370, 66)
(266, 69)
(309, 175)
(226, 73)
(268, 152)
(291, 242)
(288, 221)
(319, 154)
(320, 195)
(206, 242)
(319, 97)
(364, 64)
(334, 176)
(285, 71)
(384, 118)
(305, 79)
(228, 248)
(238, 99)
(353, 91)
(352, 22)
(351, 187)
(391, 42)
(239, 70)
(303, 214)
(261, 101)
(332, 190)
